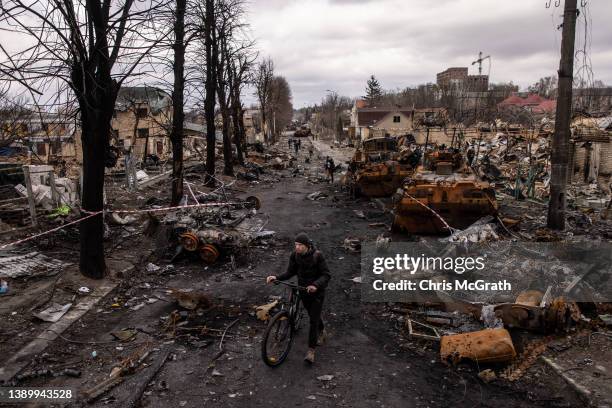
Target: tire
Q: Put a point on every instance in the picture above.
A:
(279, 325)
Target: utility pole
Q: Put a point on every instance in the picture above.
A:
(560, 142)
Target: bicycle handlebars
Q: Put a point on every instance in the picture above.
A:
(291, 285)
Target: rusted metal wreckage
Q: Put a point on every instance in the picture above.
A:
(442, 194)
(210, 242)
(379, 166)
(303, 131)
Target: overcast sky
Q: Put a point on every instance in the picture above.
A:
(336, 44)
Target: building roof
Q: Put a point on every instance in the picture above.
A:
(370, 116)
(547, 106)
(534, 101)
(156, 98)
(194, 127)
(360, 103)
(605, 123)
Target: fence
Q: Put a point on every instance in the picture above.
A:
(30, 192)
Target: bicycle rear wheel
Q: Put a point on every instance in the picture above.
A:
(277, 339)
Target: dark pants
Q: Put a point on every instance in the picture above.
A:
(314, 305)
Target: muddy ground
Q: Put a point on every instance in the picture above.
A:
(372, 361)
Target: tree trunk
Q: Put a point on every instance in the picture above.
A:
(241, 129)
(94, 140)
(178, 114)
(228, 166)
(146, 152)
(263, 124)
(237, 130)
(560, 143)
(211, 87)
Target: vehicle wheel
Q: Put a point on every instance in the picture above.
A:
(277, 339)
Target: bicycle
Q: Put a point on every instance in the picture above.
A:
(278, 337)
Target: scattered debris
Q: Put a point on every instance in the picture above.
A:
(487, 375)
(317, 195)
(191, 300)
(53, 313)
(151, 267)
(606, 319)
(413, 333)
(263, 311)
(125, 335)
(484, 346)
(480, 231)
(31, 264)
(558, 316)
(352, 244)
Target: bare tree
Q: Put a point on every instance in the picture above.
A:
(210, 36)
(92, 46)
(14, 119)
(263, 83)
(233, 47)
(239, 72)
(178, 100)
(280, 108)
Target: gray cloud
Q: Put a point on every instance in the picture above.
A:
(337, 44)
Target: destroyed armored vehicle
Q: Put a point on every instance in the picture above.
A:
(378, 167)
(303, 131)
(442, 193)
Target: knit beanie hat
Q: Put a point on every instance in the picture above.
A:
(302, 238)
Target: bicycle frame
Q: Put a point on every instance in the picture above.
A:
(294, 301)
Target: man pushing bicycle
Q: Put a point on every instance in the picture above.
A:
(311, 269)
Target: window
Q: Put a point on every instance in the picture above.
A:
(56, 147)
(396, 119)
(41, 149)
(141, 113)
(143, 132)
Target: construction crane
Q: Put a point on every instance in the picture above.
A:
(480, 60)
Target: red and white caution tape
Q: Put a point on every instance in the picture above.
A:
(50, 231)
(162, 209)
(433, 212)
(94, 213)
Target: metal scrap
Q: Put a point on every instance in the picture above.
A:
(413, 333)
(484, 346)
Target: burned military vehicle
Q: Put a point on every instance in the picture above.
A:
(379, 166)
(442, 193)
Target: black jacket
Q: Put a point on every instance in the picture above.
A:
(310, 268)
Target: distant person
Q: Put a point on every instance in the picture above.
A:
(296, 146)
(331, 168)
(289, 143)
(470, 155)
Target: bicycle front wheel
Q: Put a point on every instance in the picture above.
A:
(277, 339)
